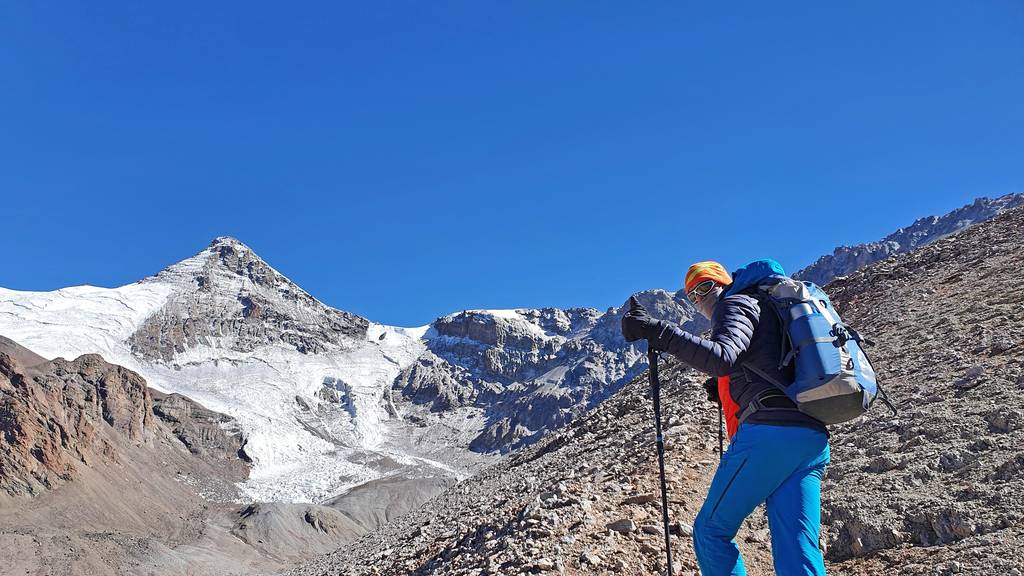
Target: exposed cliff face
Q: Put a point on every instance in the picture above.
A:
(98, 472)
(530, 371)
(846, 260)
(214, 437)
(58, 416)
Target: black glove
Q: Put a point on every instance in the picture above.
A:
(711, 387)
(636, 323)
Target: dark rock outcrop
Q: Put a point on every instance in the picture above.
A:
(212, 436)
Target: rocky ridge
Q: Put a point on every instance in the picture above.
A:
(239, 303)
(530, 371)
(936, 489)
(845, 260)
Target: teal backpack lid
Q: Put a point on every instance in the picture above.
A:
(752, 274)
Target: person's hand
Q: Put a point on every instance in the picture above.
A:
(636, 322)
(711, 388)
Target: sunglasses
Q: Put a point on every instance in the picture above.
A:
(701, 290)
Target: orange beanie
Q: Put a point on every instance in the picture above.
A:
(707, 270)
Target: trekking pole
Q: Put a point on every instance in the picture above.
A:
(652, 359)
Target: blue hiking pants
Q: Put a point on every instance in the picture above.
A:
(779, 465)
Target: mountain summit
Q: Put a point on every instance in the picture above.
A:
(228, 297)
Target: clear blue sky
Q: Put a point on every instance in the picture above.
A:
(406, 160)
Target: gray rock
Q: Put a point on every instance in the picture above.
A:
(681, 529)
(641, 499)
(1003, 420)
(531, 371)
(623, 526)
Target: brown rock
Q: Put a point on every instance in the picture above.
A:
(641, 499)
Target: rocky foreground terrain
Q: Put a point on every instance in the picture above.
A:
(937, 489)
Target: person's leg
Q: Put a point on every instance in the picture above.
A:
(794, 517)
(755, 465)
(720, 517)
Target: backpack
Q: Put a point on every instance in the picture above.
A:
(833, 378)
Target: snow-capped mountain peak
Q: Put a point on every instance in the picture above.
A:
(227, 297)
(305, 381)
(229, 255)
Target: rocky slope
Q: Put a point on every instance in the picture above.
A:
(59, 416)
(935, 490)
(845, 260)
(92, 475)
(940, 486)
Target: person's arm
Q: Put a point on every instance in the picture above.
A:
(733, 326)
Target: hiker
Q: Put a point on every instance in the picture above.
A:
(776, 454)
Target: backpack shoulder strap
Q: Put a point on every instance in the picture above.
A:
(762, 293)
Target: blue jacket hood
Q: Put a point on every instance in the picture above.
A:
(752, 274)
